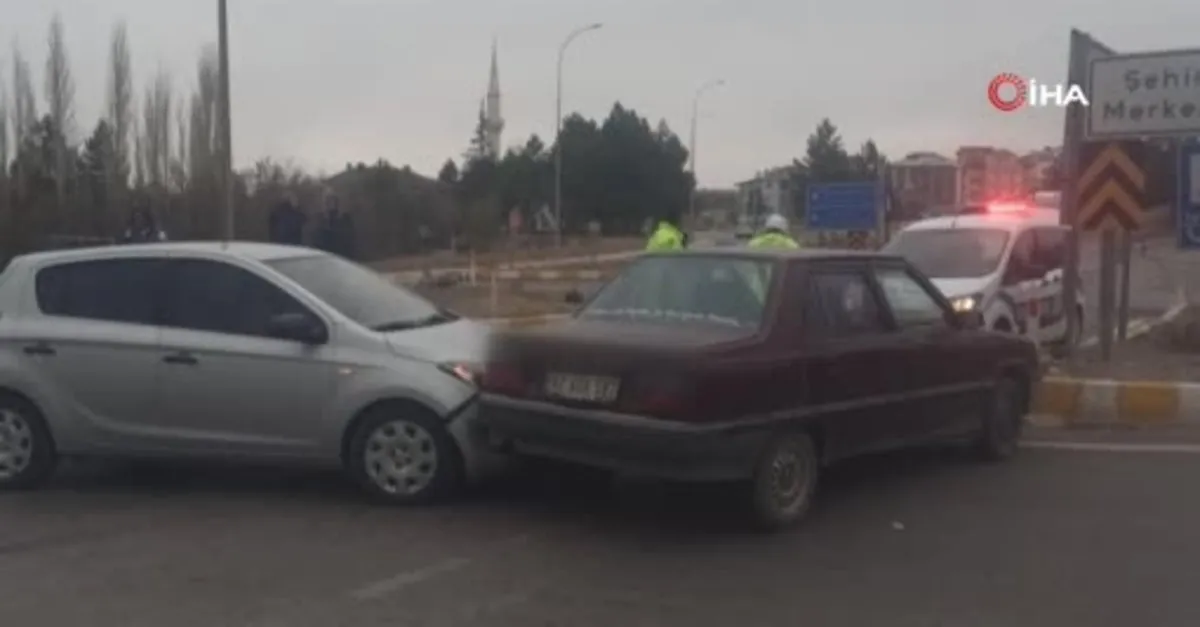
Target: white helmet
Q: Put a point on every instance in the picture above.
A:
(776, 222)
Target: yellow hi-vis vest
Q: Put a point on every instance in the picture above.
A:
(665, 237)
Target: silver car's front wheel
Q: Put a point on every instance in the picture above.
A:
(401, 457)
(404, 454)
(27, 453)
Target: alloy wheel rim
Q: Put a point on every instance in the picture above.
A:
(401, 457)
(16, 444)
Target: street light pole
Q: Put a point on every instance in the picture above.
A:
(224, 116)
(717, 82)
(558, 215)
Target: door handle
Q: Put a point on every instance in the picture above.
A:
(40, 348)
(183, 358)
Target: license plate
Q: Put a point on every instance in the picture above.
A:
(582, 388)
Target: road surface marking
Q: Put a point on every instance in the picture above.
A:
(1115, 447)
(408, 578)
(385, 587)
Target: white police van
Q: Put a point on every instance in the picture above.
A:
(1005, 260)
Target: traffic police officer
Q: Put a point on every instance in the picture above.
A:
(774, 234)
(666, 236)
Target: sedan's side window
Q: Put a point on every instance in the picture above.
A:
(911, 304)
(839, 304)
(112, 290)
(221, 298)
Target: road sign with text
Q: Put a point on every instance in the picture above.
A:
(1188, 201)
(1112, 186)
(843, 206)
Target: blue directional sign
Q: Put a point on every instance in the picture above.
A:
(843, 207)
(1187, 203)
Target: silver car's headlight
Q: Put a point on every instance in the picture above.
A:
(967, 303)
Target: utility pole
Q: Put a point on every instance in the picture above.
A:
(717, 82)
(224, 116)
(558, 119)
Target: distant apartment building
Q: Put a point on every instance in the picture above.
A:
(768, 192)
(1039, 168)
(924, 182)
(986, 173)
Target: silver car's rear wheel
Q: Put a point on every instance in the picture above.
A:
(27, 453)
(16, 444)
(403, 454)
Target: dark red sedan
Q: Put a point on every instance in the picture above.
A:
(758, 368)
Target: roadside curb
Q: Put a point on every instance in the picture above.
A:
(1066, 402)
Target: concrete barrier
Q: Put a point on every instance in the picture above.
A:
(1064, 402)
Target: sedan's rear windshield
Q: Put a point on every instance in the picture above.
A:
(951, 253)
(728, 291)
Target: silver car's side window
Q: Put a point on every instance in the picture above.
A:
(218, 297)
(111, 290)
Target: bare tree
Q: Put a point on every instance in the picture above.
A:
(60, 97)
(3, 136)
(139, 156)
(179, 161)
(156, 130)
(120, 110)
(202, 144)
(24, 110)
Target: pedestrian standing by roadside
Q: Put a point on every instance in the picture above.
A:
(285, 224)
(142, 226)
(335, 229)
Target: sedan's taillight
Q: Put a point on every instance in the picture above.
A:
(667, 397)
(503, 378)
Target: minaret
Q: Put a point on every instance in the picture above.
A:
(493, 121)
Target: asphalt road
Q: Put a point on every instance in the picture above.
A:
(922, 539)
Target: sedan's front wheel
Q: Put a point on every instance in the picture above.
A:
(785, 481)
(405, 455)
(1002, 420)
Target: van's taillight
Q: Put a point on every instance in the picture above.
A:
(504, 379)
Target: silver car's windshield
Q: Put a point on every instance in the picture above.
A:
(360, 294)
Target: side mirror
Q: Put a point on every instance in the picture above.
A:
(574, 297)
(298, 327)
(968, 320)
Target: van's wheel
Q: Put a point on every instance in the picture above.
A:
(27, 451)
(404, 455)
(1003, 417)
(1003, 325)
(785, 481)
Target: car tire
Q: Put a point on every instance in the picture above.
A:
(1003, 326)
(402, 454)
(1003, 417)
(28, 455)
(784, 483)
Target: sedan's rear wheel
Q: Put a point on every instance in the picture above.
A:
(27, 452)
(405, 455)
(785, 481)
(1000, 432)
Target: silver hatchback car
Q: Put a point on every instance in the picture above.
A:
(235, 351)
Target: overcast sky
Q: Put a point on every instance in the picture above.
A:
(323, 82)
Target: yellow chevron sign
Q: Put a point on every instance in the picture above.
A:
(1111, 188)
